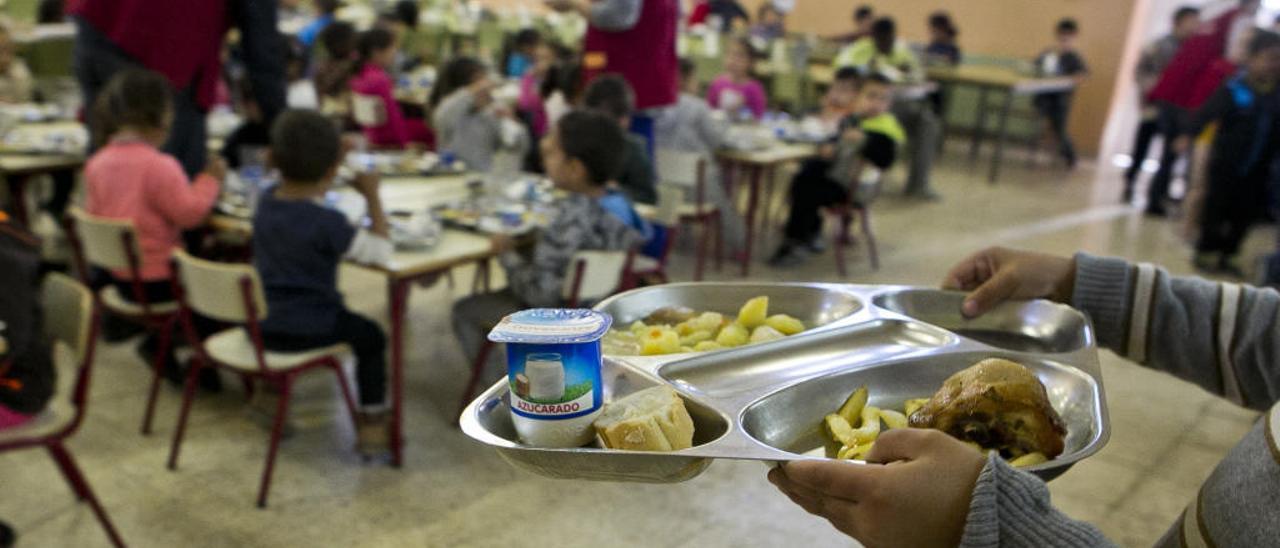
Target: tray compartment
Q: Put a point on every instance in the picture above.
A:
(814, 304)
(1036, 326)
(790, 419)
(783, 362)
(488, 420)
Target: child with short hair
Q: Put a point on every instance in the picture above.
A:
(1061, 59)
(523, 52)
(377, 53)
(581, 153)
(297, 247)
(736, 90)
(130, 178)
(1246, 109)
(870, 135)
(16, 84)
(467, 121)
(610, 95)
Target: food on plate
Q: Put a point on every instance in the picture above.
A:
(674, 329)
(993, 405)
(653, 419)
(996, 404)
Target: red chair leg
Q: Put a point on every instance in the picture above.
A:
(477, 369)
(346, 390)
(71, 471)
(277, 429)
(873, 250)
(158, 364)
(188, 394)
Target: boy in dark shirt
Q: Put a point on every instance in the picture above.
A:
(298, 244)
(611, 95)
(1061, 59)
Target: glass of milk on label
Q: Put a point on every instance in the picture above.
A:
(545, 372)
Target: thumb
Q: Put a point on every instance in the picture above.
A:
(997, 289)
(901, 444)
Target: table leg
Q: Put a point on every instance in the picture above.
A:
(753, 198)
(980, 124)
(767, 201)
(18, 195)
(1001, 134)
(397, 297)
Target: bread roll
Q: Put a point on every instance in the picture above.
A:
(653, 419)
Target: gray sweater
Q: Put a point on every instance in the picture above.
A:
(1222, 337)
(473, 134)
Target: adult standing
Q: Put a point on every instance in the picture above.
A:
(182, 40)
(635, 39)
(1158, 119)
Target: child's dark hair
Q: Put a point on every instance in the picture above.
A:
(594, 139)
(134, 97)
(339, 39)
(1263, 40)
(1067, 26)
(611, 95)
(406, 12)
(372, 41)
(687, 69)
(941, 20)
(327, 6)
(874, 78)
(849, 75)
(526, 38)
(1184, 12)
(458, 73)
(564, 77)
(863, 12)
(304, 145)
(884, 27)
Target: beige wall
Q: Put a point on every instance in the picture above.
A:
(999, 27)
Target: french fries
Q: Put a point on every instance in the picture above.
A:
(854, 427)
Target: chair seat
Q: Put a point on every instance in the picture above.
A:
(56, 417)
(117, 304)
(684, 210)
(644, 264)
(234, 348)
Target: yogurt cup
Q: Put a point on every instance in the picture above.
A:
(553, 369)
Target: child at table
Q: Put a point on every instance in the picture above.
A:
(377, 52)
(1061, 59)
(736, 90)
(466, 119)
(297, 247)
(335, 63)
(581, 153)
(870, 136)
(15, 78)
(530, 103)
(689, 126)
(129, 178)
(609, 94)
(523, 53)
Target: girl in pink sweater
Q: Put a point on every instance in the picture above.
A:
(735, 89)
(130, 178)
(378, 49)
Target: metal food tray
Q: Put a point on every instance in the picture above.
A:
(766, 401)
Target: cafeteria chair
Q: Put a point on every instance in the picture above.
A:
(70, 321)
(595, 275)
(866, 187)
(650, 268)
(684, 174)
(112, 244)
(233, 293)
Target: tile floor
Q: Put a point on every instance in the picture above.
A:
(1166, 435)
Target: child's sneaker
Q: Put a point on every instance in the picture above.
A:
(373, 433)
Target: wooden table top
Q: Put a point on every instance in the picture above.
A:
(780, 153)
(1001, 77)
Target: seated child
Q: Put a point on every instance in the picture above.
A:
(466, 119)
(16, 83)
(736, 90)
(297, 247)
(870, 135)
(523, 54)
(690, 127)
(581, 153)
(609, 94)
(532, 83)
(252, 136)
(27, 374)
(130, 178)
(335, 62)
(377, 51)
(301, 91)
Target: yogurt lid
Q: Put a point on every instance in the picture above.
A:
(552, 326)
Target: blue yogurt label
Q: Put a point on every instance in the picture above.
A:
(553, 361)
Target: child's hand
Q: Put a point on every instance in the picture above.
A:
(919, 498)
(997, 274)
(502, 243)
(216, 167)
(366, 184)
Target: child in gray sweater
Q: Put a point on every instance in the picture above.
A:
(467, 121)
(1223, 337)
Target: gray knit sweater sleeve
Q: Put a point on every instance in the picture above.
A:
(1011, 508)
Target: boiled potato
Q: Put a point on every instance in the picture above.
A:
(765, 333)
(695, 337)
(1029, 459)
(754, 312)
(913, 405)
(839, 429)
(893, 419)
(707, 346)
(707, 321)
(733, 335)
(637, 327)
(659, 340)
(784, 324)
(851, 409)
(869, 430)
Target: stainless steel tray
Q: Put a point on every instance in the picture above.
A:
(765, 402)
